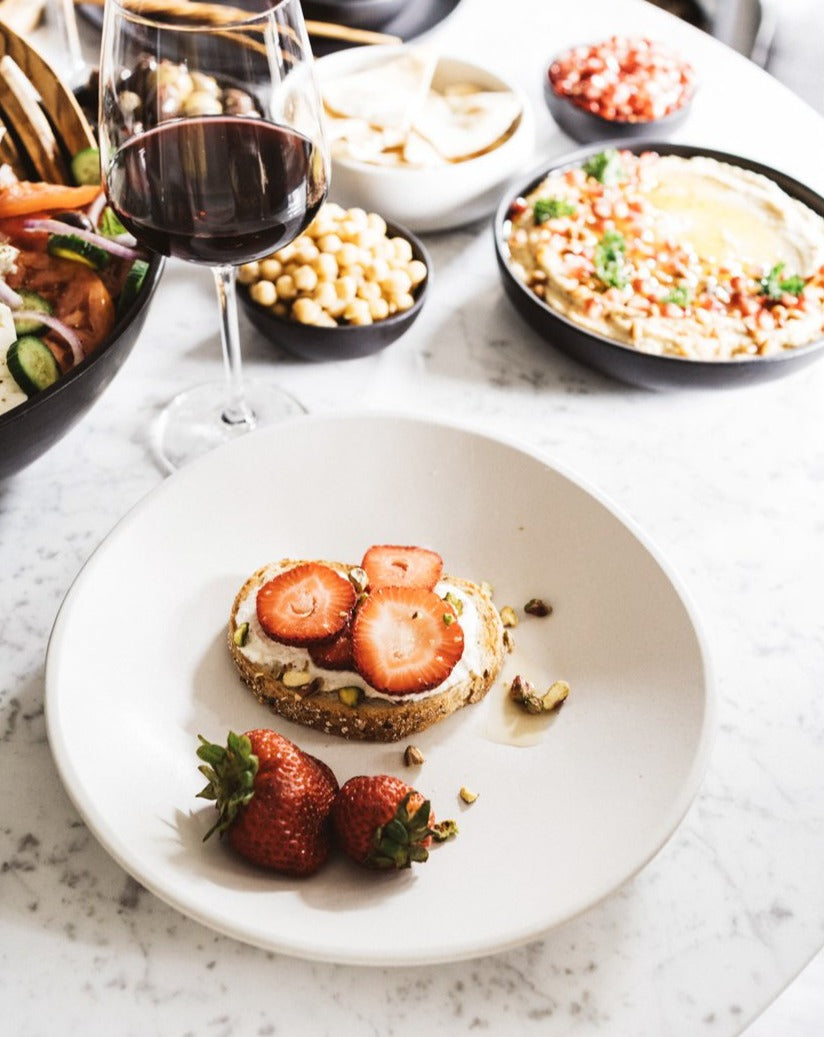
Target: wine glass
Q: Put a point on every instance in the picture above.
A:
(212, 152)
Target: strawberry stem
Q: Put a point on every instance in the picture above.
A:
(230, 775)
(403, 839)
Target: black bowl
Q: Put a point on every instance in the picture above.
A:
(586, 127)
(346, 341)
(357, 14)
(620, 361)
(28, 431)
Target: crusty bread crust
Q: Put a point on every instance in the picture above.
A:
(372, 719)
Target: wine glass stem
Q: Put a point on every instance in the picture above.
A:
(236, 411)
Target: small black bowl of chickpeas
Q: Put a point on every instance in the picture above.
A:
(347, 287)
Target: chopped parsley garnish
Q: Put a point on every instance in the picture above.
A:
(551, 208)
(774, 285)
(605, 167)
(678, 296)
(609, 259)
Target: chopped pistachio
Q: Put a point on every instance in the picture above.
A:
(443, 830)
(466, 795)
(509, 641)
(241, 635)
(358, 579)
(537, 607)
(555, 696)
(412, 756)
(523, 692)
(509, 616)
(519, 688)
(350, 695)
(454, 601)
(448, 618)
(292, 678)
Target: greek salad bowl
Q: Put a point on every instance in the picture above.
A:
(74, 291)
(32, 427)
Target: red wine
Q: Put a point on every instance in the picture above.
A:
(217, 189)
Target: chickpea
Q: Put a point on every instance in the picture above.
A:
(198, 102)
(330, 243)
(397, 283)
(369, 290)
(203, 83)
(402, 249)
(270, 268)
(325, 295)
(349, 254)
(325, 266)
(358, 312)
(248, 273)
(306, 310)
(377, 223)
(404, 302)
(383, 250)
(263, 293)
(379, 308)
(305, 249)
(417, 272)
(377, 270)
(305, 278)
(358, 217)
(286, 288)
(346, 287)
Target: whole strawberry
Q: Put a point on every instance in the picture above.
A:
(381, 822)
(273, 800)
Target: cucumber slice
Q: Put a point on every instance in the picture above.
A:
(32, 301)
(86, 166)
(31, 364)
(132, 285)
(69, 246)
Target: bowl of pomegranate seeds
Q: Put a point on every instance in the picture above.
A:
(625, 86)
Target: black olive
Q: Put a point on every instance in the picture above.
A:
(75, 219)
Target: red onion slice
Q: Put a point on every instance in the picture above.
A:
(9, 296)
(56, 227)
(56, 325)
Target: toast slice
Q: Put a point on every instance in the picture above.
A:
(341, 702)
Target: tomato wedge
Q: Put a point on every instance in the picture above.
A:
(79, 297)
(24, 197)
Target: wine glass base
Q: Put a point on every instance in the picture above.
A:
(193, 422)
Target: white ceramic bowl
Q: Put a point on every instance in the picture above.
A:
(437, 198)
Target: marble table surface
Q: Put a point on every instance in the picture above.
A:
(729, 484)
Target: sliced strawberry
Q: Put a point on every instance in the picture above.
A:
(388, 565)
(405, 639)
(310, 602)
(335, 654)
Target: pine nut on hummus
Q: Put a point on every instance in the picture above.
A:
(688, 257)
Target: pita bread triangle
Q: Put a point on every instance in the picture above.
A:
(387, 95)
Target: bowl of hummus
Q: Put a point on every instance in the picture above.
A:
(667, 265)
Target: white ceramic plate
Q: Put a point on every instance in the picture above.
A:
(568, 809)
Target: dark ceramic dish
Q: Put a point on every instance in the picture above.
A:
(358, 14)
(623, 362)
(585, 127)
(347, 341)
(28, 431)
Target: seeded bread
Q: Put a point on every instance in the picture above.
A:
(269, 668)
